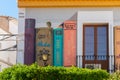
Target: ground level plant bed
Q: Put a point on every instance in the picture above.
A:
(35, 72)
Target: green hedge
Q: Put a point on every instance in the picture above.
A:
(115, 76)
(34, 72)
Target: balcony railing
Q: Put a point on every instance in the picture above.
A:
(110, 59)
(93, 57)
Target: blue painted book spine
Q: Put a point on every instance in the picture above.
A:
(58, 47)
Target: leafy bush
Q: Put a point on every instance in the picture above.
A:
(35, 72)
(115, 76)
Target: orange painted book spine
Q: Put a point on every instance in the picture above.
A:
(117, 47)
(69, 43)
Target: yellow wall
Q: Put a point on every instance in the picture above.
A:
(67, 3)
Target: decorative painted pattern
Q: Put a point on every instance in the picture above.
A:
(44, 46)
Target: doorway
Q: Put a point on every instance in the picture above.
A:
(95, 46)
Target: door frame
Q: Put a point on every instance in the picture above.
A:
(95, 61)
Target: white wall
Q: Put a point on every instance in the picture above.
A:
(116, 16)
(55, 15)
(8, 57)
(3, 66)
(59, 15)
(21, 31)
(13, 26)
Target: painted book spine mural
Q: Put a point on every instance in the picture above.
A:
(29, 53)
(44, 46)
(117, 47)
(69, 43)
(58, 47)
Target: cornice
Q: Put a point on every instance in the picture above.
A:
(67, 3)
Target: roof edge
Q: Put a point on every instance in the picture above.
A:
(67, 3)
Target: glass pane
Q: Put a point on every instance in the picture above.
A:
(101, 43)
(89, 43)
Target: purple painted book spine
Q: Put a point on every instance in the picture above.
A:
(29, 52)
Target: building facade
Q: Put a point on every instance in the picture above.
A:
(95, 21)
(8, 42)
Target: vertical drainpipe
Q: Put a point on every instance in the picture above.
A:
(29, 53)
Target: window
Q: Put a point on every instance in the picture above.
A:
(89, 42)
(95, 42)
(101, 42)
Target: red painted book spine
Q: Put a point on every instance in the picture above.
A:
(29, 51)
(69, 43)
